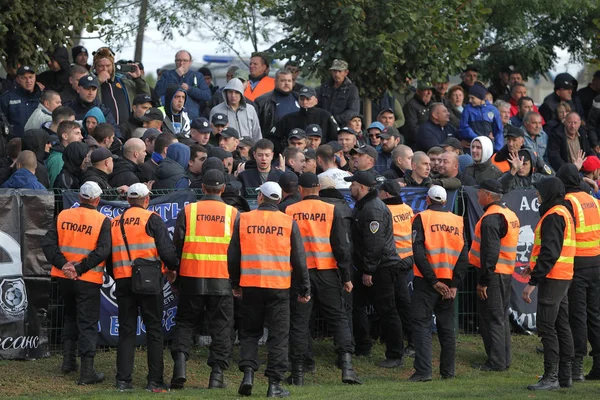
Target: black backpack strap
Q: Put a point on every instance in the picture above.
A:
(124, 235)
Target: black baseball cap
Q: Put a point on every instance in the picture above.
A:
(213, 177)
(363, 177)
(100, 154)
(336, 146)
(390, 131)
(143, 98)
(513, 131)
(219, 119)
(288, 181)
(230, 132)
(369, 150)
(297, 133)
(346, 129)
(310, 154)
(153, 114)
(219, 153)
(88, 81)
(308, 180)
(25, 69)
(201, 125)
(386, 110)
(391, 186)
(453, 142)
(491, 185)
(150, 133)
(246, 142)
(308, 92)
(314, 130)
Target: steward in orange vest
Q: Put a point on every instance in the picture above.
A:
(551, 269)
(328, 258)
(202, 234)
(265, 250)
(584, 309)
(148, 238)
(77, 246)
(440, 255)
(494, 252)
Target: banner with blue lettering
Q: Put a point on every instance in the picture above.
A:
(167, 207)
(525, 204)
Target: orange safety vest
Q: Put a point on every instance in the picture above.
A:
(265, 243)
(265, 85)
(315, 220)
(503, 166)
(444, 241)
(508, 244)
(208, 228)
(141, 245)
(587, 224)
(78, 232)
(563, 268)
(401, 217)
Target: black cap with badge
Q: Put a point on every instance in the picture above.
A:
(25, 69)
(308, 180)
(219, 119)
(314, 130)
(347, 129)
(513, 131)
(389, 132)
(88, 81)
(153, 114)
(213, 177)
(365, 178)
(230, 132)
(201, 125)
(368, 150)
(308, 92)
(297, 133)
(143, 98)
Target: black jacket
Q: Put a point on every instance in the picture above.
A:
(430, 135)
(6, 169)
(427, 182)
(168, 173)
(250, 177)
(300, 279)
(480, 172)
(548, 108)
(373, 234)
(266, 109)
(586, 96)
(102, 251)
(592, 122)
(95, 175)
(493, 228)
(335, 197)
(394, 172)
(552, 231)
(36, 140)
(148, 170)
(511, 182)
(415, 114)
(71, 175)
(288, 201)
(125, 172)
(421, 259)
(301, 119)
(81, 108)
(558, 149)
(57, 80)
(197, 286)
(127, 127)
(341, 102)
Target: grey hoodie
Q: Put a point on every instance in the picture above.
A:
(245, 119)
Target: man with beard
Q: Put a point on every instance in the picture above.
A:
(273, 106)
(339, 95)
(390, 138)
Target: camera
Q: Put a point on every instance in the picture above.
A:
(125, 68)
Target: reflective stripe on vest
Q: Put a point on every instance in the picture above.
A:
(78, 232)
(315, 220)
(265, 245)
(401, 218)
(209, 224)
(141, 245)
(563, 268)
(508, 244)
(587, 224)
(444, 242)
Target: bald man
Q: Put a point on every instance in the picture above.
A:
(127, 169)
(448, 173)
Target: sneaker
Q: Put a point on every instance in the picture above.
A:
(419, 378)
(391, 363)
(123, 386)
(409, 351)
(155, 387)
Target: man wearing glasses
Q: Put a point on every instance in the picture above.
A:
(191, 81)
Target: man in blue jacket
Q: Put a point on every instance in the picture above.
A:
(480, 118)
(191, 81)
(19, 103)
(24, 177)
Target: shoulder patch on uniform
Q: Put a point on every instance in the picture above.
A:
(490, 115)
(414, 235)
(547, 169)
(374, 226)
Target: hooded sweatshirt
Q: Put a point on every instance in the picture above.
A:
(485, 169)
(57, 80)
(177, 124)
(36, 140)
(70, 177)
(244, 119)
(511, 182)
(23, 179)
(171, 172)
(93, 112)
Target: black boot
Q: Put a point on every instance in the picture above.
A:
(296, 378)
(275, 389)
(247, 382)
(564, 374)
(179, 377)
(88, 376)
(216, 380)
(348, 374)
(69, 363)
(594, 374)
(577, 371)
(550, 379)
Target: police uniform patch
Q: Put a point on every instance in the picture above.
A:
(314, 129)
(205, 124)
(414, 236)
(490, 115)
(219, 117)
(90, 78)
(547, 170)
(374, 226)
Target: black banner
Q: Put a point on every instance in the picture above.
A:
(524, 203)
(24, 284)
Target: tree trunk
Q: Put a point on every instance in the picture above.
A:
(368, 108)
(142, 23)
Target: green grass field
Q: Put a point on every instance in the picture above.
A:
(42, 379)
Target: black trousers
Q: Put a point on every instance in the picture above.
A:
(151, 309)
(553, 320)
(584, 310)
(270, 306)
(425, 302)
(219, 313)
(494, 324)
(403, 306)
(383, 296)
(326, 291)
(81, 313)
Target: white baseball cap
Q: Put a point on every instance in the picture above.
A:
(437, 193)
(90, 190)
(138, 190)
(272, 190)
